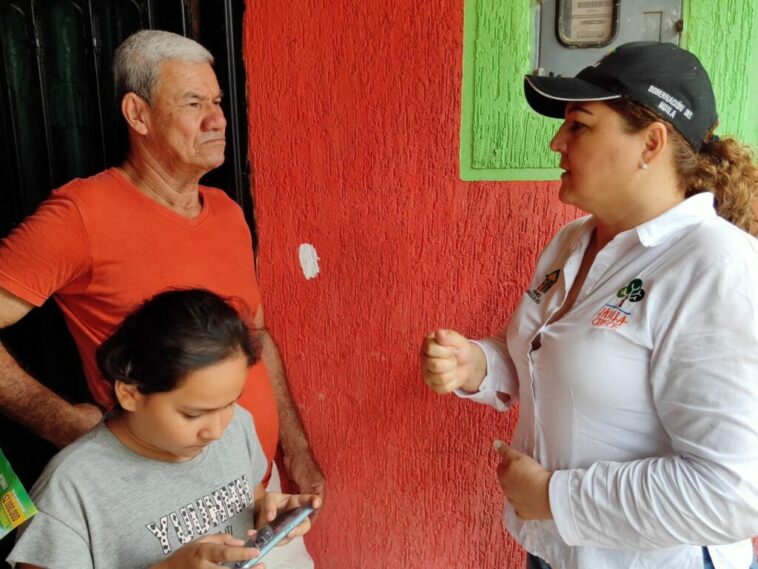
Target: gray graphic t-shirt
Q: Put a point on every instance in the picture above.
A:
(102, 506)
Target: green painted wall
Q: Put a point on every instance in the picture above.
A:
(724, 35)
(502, 139)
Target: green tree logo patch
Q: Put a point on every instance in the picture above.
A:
(633, 292)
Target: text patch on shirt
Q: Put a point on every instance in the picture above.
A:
(614, 314)
(204, 514)
(536, 294)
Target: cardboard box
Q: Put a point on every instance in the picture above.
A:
(15, 505)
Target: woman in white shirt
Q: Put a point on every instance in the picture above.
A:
(634, 352)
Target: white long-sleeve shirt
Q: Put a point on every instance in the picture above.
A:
(643, 398)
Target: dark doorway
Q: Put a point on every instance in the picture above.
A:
(58, 121)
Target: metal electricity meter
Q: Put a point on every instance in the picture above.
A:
(572, 34)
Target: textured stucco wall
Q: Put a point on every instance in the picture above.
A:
(354, 128)
(503, 39)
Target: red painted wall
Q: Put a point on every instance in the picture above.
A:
(354, 132)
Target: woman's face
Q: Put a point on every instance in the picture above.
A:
(600, 159)
(177, 425)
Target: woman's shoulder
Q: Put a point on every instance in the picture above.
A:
(716, 239)
(715, 253)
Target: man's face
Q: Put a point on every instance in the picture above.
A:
(186, 128)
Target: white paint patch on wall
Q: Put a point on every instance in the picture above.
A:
(308, 260)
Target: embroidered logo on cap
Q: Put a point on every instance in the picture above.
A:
(670, 105)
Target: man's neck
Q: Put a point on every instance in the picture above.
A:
(170, 189)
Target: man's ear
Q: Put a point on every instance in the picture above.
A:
(656, 140)
(127, 394)
(135, 110)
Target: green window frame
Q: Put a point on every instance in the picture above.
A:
(502, 139)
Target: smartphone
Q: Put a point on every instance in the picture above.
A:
(271, 534)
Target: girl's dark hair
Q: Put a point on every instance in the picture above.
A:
(169, 336)
(723, 166)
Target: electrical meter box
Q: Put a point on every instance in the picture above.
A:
(572, 34)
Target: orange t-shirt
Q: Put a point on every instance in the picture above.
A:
(101, 247)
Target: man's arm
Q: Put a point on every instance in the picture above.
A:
(26, 401)
(298, 460)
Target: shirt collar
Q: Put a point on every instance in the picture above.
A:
(693, 210)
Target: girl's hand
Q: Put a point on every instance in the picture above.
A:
(273, 503)
(208, 553)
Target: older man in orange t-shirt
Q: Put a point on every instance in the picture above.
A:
(102, 245)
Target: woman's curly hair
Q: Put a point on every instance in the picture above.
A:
(723, 166)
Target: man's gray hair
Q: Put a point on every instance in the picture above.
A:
(138, 59)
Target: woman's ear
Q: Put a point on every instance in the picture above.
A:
(135, 110)
(656, 140)
(127, 394)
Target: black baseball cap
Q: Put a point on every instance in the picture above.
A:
(663, 77)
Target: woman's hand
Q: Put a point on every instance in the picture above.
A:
(525, 483)
(449, 362)
(273, 503)
(209, 552)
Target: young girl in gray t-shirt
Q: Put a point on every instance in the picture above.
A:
(171, 479)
